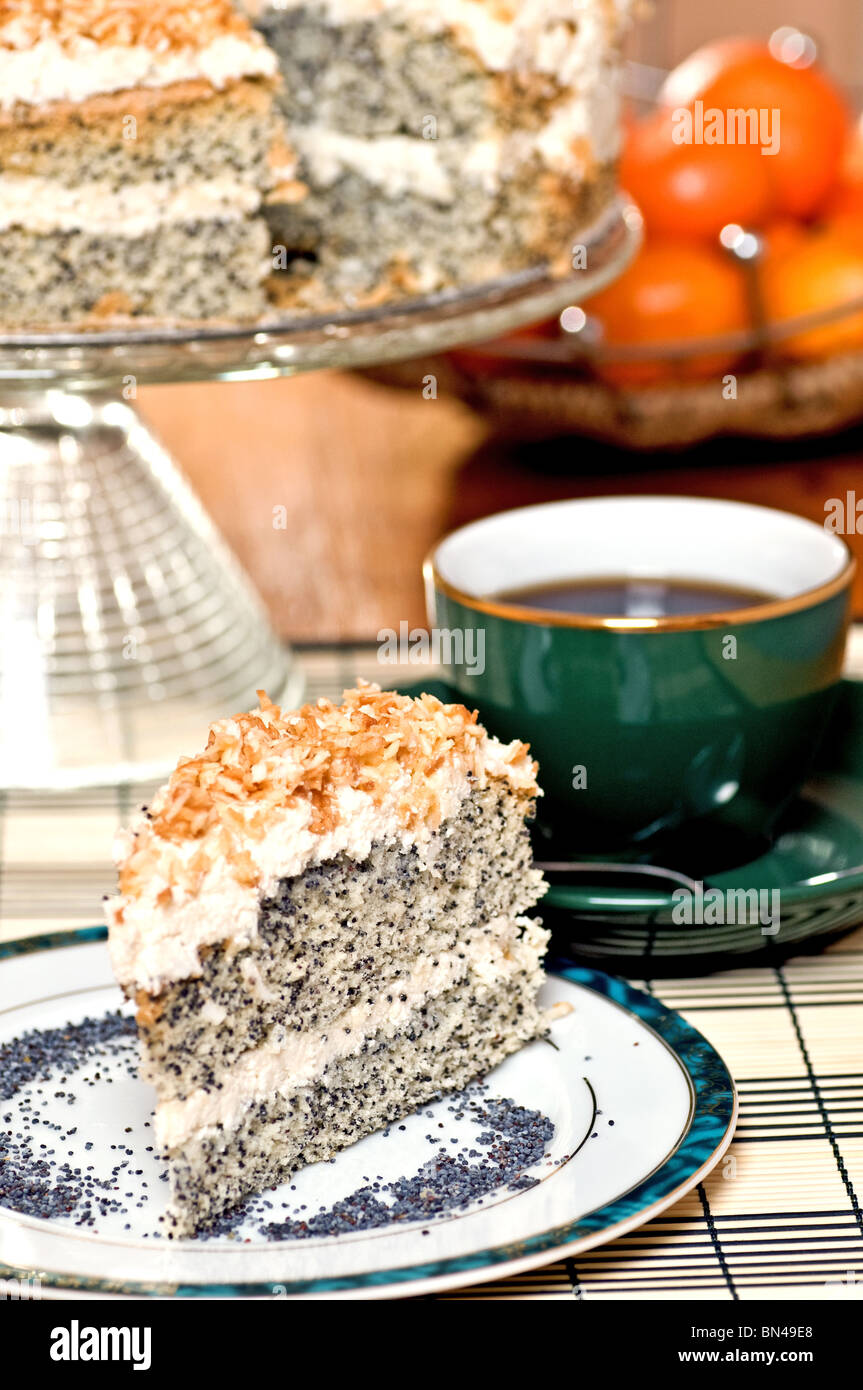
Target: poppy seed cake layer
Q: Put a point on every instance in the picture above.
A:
(438, 1049)
(385, 77)
(489, 235)
(78, 278)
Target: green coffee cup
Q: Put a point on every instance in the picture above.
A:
(648, 727)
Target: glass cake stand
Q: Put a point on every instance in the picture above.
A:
(126, 624)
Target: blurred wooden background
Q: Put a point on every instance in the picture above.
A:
(370, 477)
(674, 27)
(363, 473)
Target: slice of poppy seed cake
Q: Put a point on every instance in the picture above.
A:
(321, 920)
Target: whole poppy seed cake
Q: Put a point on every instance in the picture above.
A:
(394, 147)
(321, 920)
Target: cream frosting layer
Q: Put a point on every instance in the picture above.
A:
(43, 206)
(581, 135)
(289, 1060)
(561, 37)
(50, 71)
(274, 793)
(397, 164)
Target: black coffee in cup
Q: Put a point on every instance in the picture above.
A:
(631, 597)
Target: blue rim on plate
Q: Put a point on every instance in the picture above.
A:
(713, 1114)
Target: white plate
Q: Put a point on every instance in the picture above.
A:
(642, 1109)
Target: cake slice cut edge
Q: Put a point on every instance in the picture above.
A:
(442, 147)
(322, 920)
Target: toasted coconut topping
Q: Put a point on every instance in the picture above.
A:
(158, 24)
(257, 764)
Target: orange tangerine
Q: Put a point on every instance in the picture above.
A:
(813, 129)
(675, 292)
(824, 271)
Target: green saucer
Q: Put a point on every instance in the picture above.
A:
(621, 918)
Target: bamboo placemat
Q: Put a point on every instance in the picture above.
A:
(782, 1215)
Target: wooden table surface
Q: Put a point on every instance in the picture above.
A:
(331, 488)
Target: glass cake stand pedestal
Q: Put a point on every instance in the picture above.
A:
(126, 624)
